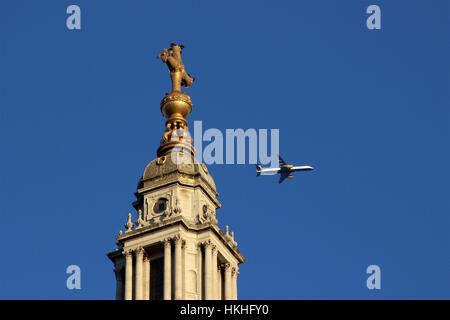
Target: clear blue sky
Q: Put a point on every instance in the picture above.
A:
(370, 110)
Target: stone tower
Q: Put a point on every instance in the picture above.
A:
(174, 249)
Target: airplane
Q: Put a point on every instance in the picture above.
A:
(285, 170)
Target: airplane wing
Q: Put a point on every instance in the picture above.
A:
(282, 162)
(282, 177)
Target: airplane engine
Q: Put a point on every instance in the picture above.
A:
(290, 176)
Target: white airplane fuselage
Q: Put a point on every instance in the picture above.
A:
(270, 171)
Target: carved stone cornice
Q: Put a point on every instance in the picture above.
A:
(186, 225)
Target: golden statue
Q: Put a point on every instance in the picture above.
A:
(176, 105)
(172, 57)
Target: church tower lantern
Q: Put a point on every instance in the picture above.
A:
(174, 248)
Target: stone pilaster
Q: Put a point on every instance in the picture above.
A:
(139, 279)
(200, 271)
(178, 268)
(167, 269)
(128, 275)
(146, 277)
(214, 273)
(227, 272)
(183, 275)
(234, 274)
(208, 270)
(219, 283)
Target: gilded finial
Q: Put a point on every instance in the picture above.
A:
(178, 74)
(176, 105)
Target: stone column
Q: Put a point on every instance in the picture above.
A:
(219, 283)
(200, 271)
(234, 274)
(208, 270)
(119, 283)
(227, 281)
(128, 275)
(183, 271)
(146, 294)
(167, 270)
(178, 268)
(139, 280)
(214, 288)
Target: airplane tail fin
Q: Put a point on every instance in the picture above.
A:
(258, 169)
